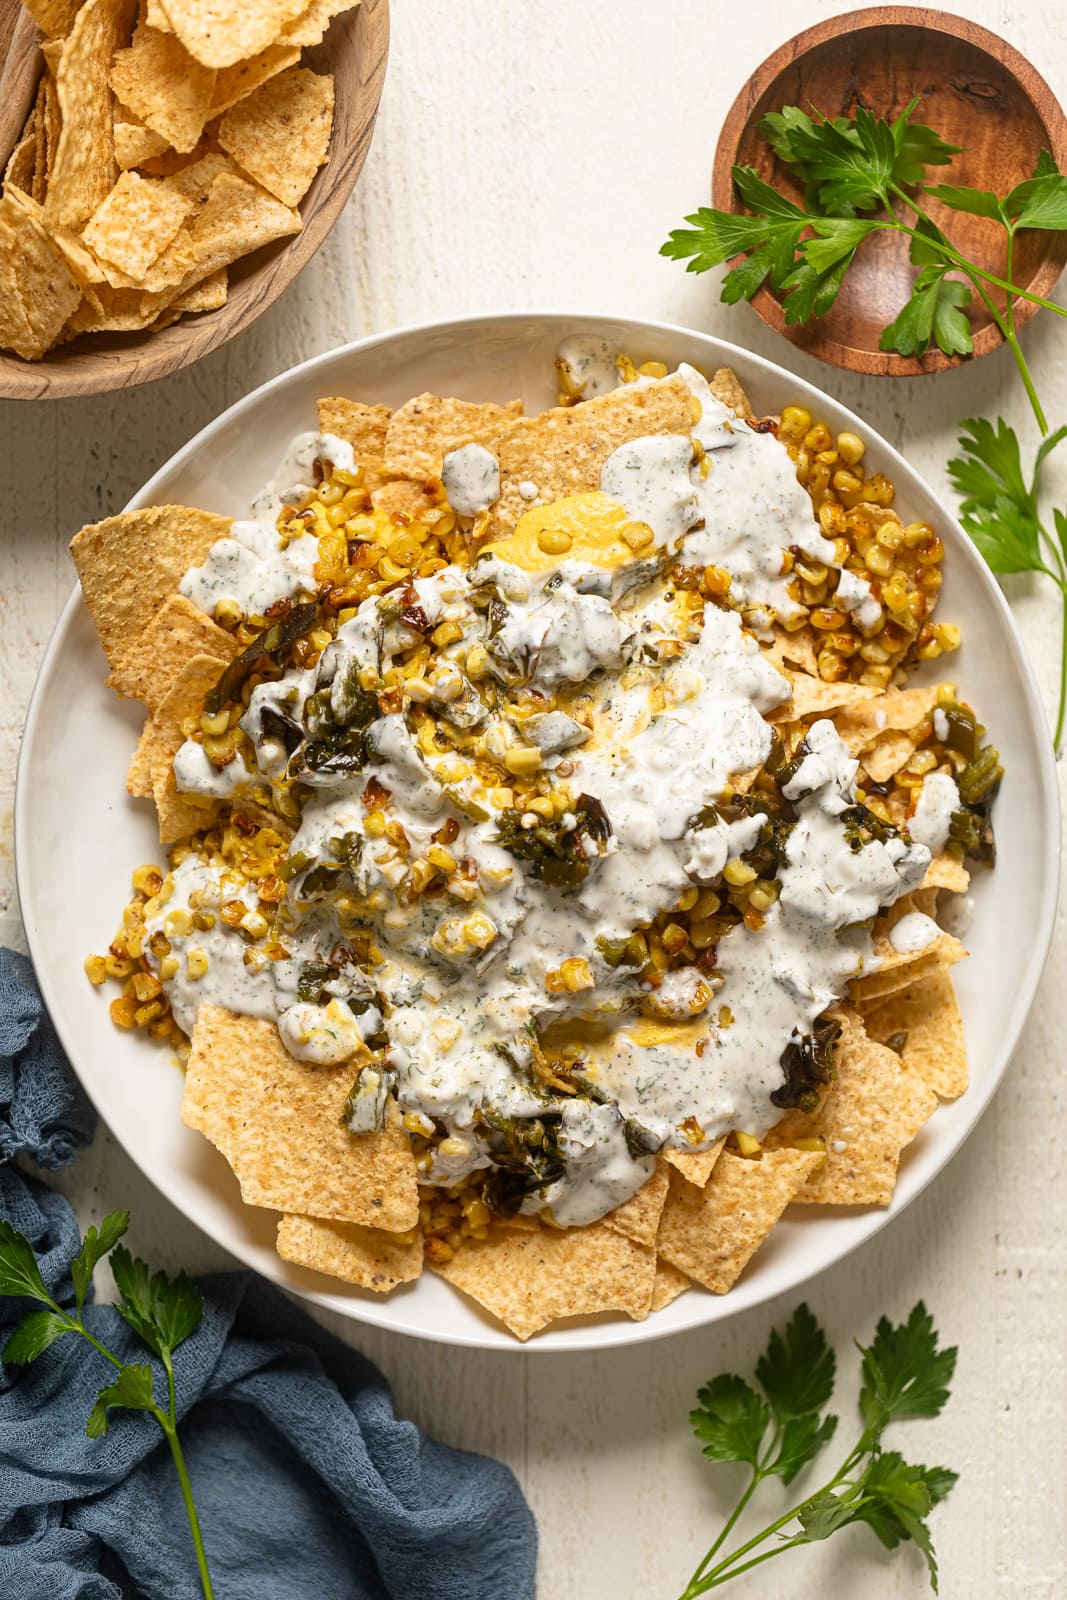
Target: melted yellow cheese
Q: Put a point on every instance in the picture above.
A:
(592, 521)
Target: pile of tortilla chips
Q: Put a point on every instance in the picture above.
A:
(349, 1203)
(164, 144)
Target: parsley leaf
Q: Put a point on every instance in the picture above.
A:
(95, 1246)
(814, 283)
(976, 202)
(33, 1336)
(1040, 201)
(19, 1273)
(162, 1311)
(934, 312)
(731, 1420)
(904, 1372)
(997, 509)
(797, 1371)
(918, 147)
(132, 1390)
(802, 1439)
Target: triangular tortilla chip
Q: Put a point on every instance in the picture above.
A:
(163, 85)
(370, 1257)
(638, 1217)
(928, 1014)
(364, 427)
(179, 814)
(178, 631)
(279, 1124)
(84, 168)
(280, 133)
(220, 32)
(426, 428)
(696, 1166)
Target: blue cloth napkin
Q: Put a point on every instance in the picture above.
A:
(306, 1483)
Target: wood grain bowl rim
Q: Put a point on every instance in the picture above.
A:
(142, 358)
(1008, 58)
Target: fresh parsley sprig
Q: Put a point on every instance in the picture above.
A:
(163, 1312)
(780, 1427)
(865, 175)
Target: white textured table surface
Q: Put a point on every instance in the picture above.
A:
(536, 156)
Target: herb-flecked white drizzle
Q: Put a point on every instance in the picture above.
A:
(464, 995)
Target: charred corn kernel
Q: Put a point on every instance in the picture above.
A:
(879, 491)
(817, 437)
(368, 678)
(437, 1252)
(707, 903)
(477, 663)
(575, 975)
(879, 561)
(123, 1012)
(689, 899)
(753, 919)
(675, 938)
(846, 482)
(168, 967)
(554, 542)
(196, 962)
(418, 690)
(874, 652)
(542, 807)
(421, 875)
(446, 633)
(825, 619)
(390, 571)
(255, 924)
(795, 422)
(637, 535)
(653, 369)
(716, 580)
(442, 859)
(947, 635)
(748, 1144)
(479, 930)
(502, 798)
(228, 614)
(878, 678)
(788, 561)
(851, 448)
(830, 666)
(146, 987)
(764, 895)
(418, 1122)
(147, 880)
(702, 933)
(217, 724)
(453, 769)
(832, 518)
(147, 1013)
(95, 969)
(454, 1149)
(696, 410)
(523, 762)
(375, 824)
(737, 872)
(497, 876)
(319, 638)
(178, 923)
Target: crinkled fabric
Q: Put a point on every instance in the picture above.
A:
(306, 1482)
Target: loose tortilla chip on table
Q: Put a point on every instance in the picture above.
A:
(638, 1217)
(928, 1014)
(177, 632)
(179, 814)
(163, 85)
(130, 564)
(279, 1124)
(711, 1234)
(280, 133)
(874, 1107)
(220, 32)
(44, 284)
(362, 426)
(669, 1283)
(563, 449)
(370, 1257)
(425, 429)
(530, 1278)
(233, 83)
(136, 223)
(84, 169)
(695, 1166)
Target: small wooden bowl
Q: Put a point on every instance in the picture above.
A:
(976, 91)
(354, 50)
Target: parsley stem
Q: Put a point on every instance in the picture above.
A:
(735, 1572)
(727, 1527)
(168, 1424)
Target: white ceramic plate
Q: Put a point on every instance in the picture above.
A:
(78, 835)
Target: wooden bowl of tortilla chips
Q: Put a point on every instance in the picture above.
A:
(171, 165)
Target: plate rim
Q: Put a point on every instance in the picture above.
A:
(977, 1099)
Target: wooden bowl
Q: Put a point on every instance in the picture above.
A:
(354, 50)
(976, 91)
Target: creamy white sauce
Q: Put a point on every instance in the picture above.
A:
(591, 362)
(251, 568)
(929, 822)
(914, 931)
(471, 479)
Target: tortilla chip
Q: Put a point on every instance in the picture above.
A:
(84, 169)
(897, 711)
(947, 872)
(638, 1217)
(793, 650)
(368, 1256)
(426, 428)
(15, 331)
(279, 1124)
(134, 143)
(130, 564)
(528, 1279)
(42, 156)
(887, 755)
(727, 388)
(363, 427)
(178, 632)
(193, 180)
(52, 119)
(813, 698)
(107, 310)
(564, 448)
(309, 27)
(280, 133)
(875, 1106)
(179, 814)
(233, 83)
(401, 497)
(156, 17)
(139, 775)
(22, 161)
(929, 1014)
(238, 218)
(44, 284)
(136, 223)
(55, 18)
(163, 85)
(905, 967)
(695, 1166)
(220, 32)
(711, 1234)
(668, 1284)
(208, 295)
